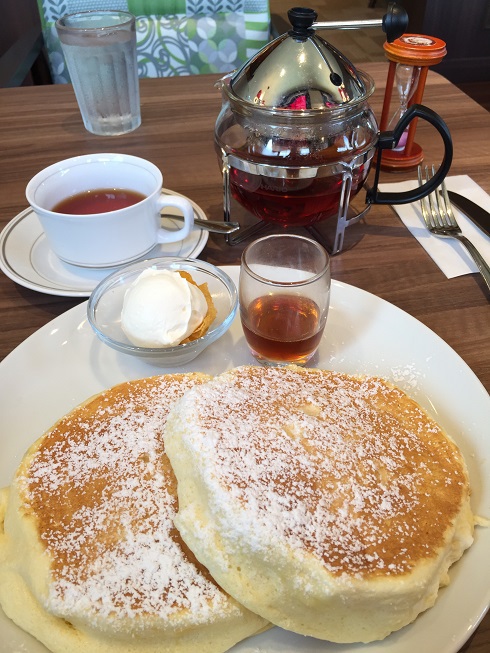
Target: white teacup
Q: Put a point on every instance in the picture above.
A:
(113, 237)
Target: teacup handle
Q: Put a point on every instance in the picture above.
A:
(166, 236)
(389, 140)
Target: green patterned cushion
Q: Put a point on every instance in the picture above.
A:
(174, 37)
(157, 7)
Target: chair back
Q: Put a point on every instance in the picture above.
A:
(174, 37)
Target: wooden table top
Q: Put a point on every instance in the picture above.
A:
(42, 125)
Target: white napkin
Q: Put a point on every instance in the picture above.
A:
(450, 255)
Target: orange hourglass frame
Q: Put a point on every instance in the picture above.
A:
(414, 50)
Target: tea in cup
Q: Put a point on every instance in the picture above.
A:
(103, 210)
(284, 294)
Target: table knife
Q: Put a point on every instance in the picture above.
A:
(473, 211)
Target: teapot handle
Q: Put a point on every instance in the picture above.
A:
(388, 140)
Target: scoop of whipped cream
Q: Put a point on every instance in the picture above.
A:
(161, 308)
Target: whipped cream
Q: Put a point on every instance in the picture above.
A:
(161, 309)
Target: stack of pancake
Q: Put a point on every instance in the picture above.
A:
(184, 513)
(90, 559)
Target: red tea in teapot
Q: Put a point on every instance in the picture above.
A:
(292, 202)
(295, 176)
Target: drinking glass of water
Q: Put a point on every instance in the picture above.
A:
(100, 52)
(284, 292)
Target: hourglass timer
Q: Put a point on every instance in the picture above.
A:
(410, 57)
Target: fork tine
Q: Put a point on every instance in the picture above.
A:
(436, 207)
(436, 217)
(439, 205)
(448, 208)
(423, 202)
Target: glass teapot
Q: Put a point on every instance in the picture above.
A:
(296, 135)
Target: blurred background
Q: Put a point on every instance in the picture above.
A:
(463, 24)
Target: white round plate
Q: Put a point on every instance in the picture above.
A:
(26, 258)
(64, 363)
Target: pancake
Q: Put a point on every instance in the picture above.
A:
(89, 557)
(331, 505)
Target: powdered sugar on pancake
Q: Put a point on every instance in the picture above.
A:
(105, 496)
(348, 470)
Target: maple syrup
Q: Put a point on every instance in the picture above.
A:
(282, 327)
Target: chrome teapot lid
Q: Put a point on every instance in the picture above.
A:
(300, 70)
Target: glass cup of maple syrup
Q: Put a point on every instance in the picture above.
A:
(284, 293)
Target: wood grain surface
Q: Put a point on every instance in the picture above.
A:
(42, 125)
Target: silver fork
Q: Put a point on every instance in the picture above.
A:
(440, 221)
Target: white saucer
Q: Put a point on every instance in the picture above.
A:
(26, 258)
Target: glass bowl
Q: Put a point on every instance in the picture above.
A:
(106, 301)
